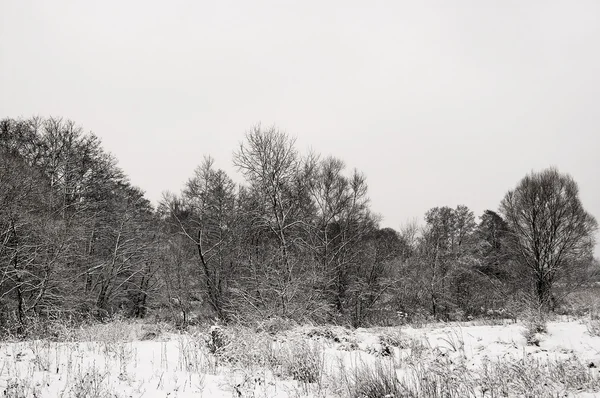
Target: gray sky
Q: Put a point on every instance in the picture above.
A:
(438, 103)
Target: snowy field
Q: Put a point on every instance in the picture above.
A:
(440, 360)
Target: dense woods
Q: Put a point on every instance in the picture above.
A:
(297, 241)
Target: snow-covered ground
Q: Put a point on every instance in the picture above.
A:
(307, 361)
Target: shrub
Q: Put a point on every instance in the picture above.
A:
(323, 332)
(217, 340)
(593, 327)
(275, 325)
(394, 338)
(20, 388)
(91, 384)
(303, 362)
(535, 324)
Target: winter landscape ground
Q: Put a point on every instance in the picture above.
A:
(479, 359)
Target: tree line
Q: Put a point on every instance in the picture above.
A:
(297, 240)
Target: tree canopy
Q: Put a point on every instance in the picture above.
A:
(296, 240)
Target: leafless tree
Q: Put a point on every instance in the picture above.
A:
(444, 254)
(552, 236)
(340, 228)
(279, 180)
(205, 217)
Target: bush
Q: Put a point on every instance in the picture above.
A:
(275, 325)
(323, 332)
(92, 384)
(303, 362)
(535, 324)
(20, 388)
(394, 338)
(593, 327)
(217, 340)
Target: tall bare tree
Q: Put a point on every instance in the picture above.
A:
(279, 180)
(444, 252)
(551, 234)
(205, 217)
(79, 232)
(340, 229)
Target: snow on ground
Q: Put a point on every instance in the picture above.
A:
(181, 365)
(563, 340)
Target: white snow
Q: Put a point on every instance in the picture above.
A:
(180, 365)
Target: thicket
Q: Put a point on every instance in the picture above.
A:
(296, 242)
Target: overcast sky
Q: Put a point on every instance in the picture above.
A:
(438, 103)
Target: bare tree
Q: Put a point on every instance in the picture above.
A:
(77, 232)
(127, 258)
(279, 180)
(376, 275)
(29, 248)
(206, 217)
(552, 236)
(409, 233)
(443, 251)
(341, 225)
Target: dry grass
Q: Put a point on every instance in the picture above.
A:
(537, 378)
(92, 383)
(445, 379)
(431, 372)
(290, 358)
(593, 327)
(302, 361)
(394, 337)
(375, 381)
(20, 388)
